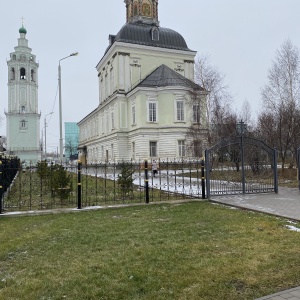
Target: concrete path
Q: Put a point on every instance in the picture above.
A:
(284, 204)
(292, 294)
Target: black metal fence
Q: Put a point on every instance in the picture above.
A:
(241, 165)
(9, 168)
(48, 186)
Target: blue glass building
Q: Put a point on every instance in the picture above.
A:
(71, 140)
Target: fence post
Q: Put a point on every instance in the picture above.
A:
(146, 182)
(207, 173)
(243, 163)
(79, 165)
(298, 165)
(203, 178)
(275, 172)
(1, 187)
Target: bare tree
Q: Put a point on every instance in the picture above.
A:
(197, 132)
(245, 114)
(279, 120)
(218, 111)
(71, 147)
(2, 143)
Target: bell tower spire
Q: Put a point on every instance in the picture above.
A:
(22, 116)
(142, 11)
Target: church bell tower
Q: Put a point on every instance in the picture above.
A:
(22, 117)
(142, 11)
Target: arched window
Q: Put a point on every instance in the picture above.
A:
(32, 75)
(135, 9)
(155, 34)
(22, 73)
(23, 124)
(12, 74)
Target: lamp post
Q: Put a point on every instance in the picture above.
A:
(60, 108)
(45, 126)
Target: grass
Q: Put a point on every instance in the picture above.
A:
(165, 251)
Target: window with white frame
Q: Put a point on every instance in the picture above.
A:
(153, 149)
(111, 80)
(106, 86)
(180, 110)
(155, 34)
(152, 111)
(181, 148)
(133, 114)
(196, 113)
(107, 123)
(102, 124)
(133, 150)
(112, 120)
(23, 124)
(112, 151)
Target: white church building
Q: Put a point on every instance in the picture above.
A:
(148, 100)
(22, 116)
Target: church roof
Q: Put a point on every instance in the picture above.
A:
(164, 76)
(140, 33)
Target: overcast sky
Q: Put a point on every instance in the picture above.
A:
(240, 37)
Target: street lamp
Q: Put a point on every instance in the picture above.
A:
(45, 126)
(60, 108)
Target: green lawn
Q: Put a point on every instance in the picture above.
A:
(194, 250)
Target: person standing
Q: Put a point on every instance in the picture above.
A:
(154, 168)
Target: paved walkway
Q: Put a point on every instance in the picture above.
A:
(285, 204)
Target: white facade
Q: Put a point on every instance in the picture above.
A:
(137, 118)
(22, 116)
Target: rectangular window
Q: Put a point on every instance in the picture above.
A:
(196, 113)
(107, 123)
(153, 149)
(152, 112)
(133, 150)
(133, 114)
(180, 110)
(106, 86)
(112, 120)
(111, 80)
(181, 148)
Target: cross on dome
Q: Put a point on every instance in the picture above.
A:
(22, 29)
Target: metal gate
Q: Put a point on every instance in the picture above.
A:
(241, 165)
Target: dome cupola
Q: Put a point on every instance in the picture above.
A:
(22, 30)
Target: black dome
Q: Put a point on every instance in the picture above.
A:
(139, 33)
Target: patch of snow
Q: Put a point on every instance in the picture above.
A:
(293, 228)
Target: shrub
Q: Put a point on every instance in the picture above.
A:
(125, 180)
